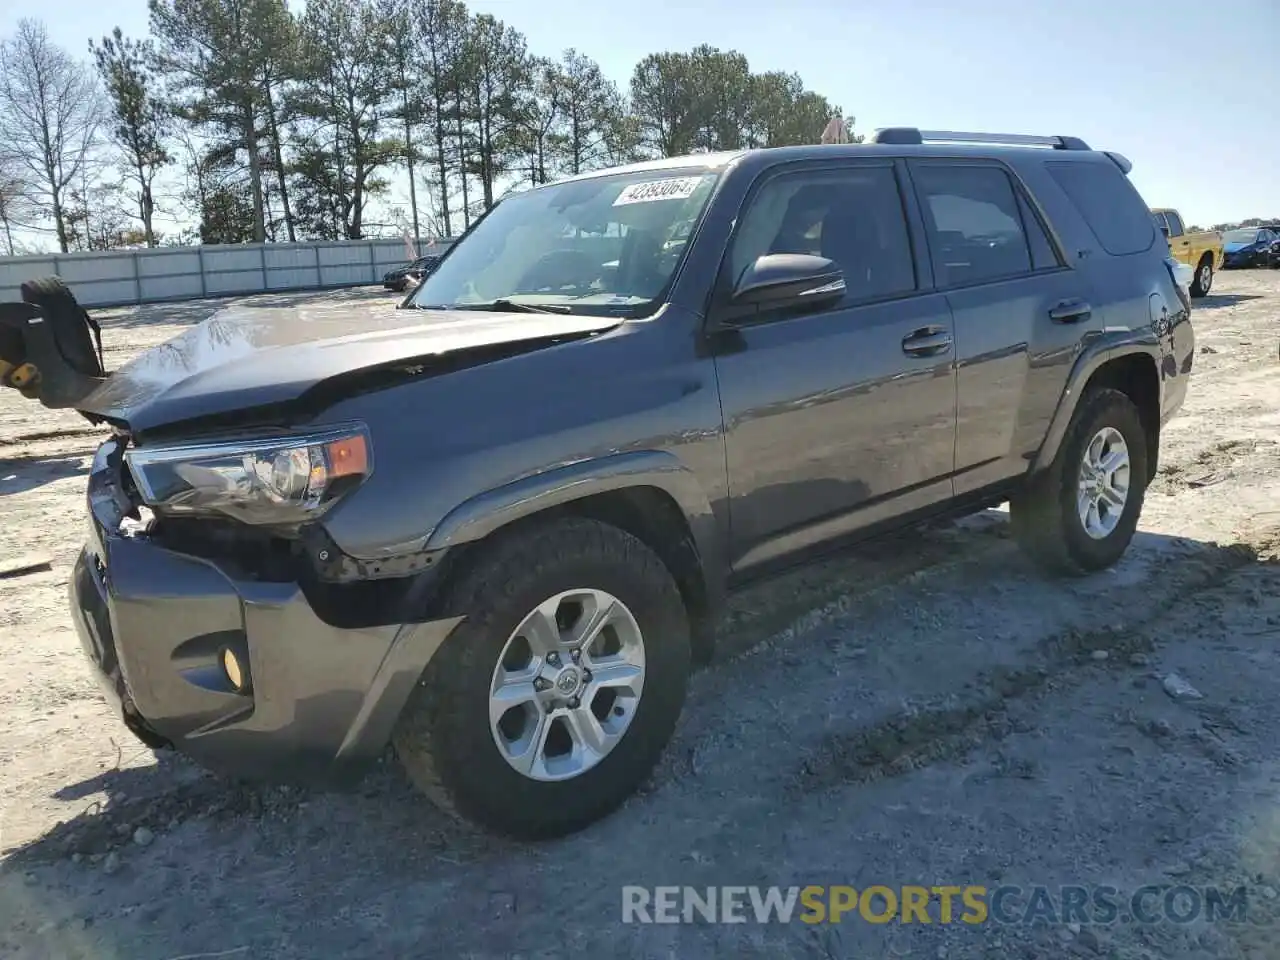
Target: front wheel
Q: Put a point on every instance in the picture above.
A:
(551, 703)
(1080, 514)
(1203, 281)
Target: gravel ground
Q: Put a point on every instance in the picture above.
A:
(923, 711)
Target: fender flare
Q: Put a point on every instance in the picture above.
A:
(481, 515)
(1090, 361)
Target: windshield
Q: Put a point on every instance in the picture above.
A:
(1240, 236)
(603, 245)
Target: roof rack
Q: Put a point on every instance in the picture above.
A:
(914, 135)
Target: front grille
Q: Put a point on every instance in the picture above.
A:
(122, 476)
(128, 488)
(242, 551)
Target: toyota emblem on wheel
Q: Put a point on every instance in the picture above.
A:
(568, 681)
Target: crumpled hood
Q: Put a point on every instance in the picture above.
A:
(247, 356)
(1235, 246)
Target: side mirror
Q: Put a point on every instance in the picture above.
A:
(788, 279)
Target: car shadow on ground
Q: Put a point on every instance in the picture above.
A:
(20, 474)
(382, 825)
(1215, 301)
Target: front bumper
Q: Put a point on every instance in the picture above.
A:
(153, 622)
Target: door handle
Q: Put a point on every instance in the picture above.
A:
(1071, 311)
(927, 342)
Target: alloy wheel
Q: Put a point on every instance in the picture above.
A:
(1103, 483)
(567, 684)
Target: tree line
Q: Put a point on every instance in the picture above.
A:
(277, 126)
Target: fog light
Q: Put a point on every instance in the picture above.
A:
(237, 672)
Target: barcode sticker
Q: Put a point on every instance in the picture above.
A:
(675, 188)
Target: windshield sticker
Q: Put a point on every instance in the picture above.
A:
(676, 188)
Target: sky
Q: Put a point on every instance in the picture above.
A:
(1187, 90)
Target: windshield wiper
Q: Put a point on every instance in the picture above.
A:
(498, 306)
(516, 306)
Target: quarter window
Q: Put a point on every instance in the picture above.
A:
(1113, 209)
(851, 215)
(974, 224)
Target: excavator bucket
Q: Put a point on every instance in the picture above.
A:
(16, 370)
(47, 346)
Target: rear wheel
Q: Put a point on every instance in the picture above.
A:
(551, 703)
(1080, 514)
(1203, 281)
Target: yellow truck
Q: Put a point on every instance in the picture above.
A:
(1202, 251)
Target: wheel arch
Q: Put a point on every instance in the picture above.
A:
(1134, 370)
(650, 494)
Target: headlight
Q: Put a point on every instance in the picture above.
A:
(282, 480)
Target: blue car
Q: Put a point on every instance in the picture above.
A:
(1251, 247)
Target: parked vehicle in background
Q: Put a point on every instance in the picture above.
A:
(401, 277)
(1250, 247)
(1202, 251)
(1273, 257)
(497, 530)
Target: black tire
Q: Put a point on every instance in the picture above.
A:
(1202, 283)
(444, 739)
(1045, 518)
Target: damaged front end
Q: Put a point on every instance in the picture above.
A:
(225, 641)
(214, 596)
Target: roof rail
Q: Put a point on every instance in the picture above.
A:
(914, 135)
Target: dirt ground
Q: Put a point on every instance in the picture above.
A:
(925, 711)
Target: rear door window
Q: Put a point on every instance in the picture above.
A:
(974, 223)
(1175, 224)
(1109, 204)
(1044, 255)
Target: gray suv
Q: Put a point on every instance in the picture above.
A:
(494, 531)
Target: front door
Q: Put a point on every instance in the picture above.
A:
(843, 415)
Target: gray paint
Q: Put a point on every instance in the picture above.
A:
(771, 439)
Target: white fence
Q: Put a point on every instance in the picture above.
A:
(118, 277)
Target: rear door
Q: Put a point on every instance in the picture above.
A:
(1018, 312)
(842, 414)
